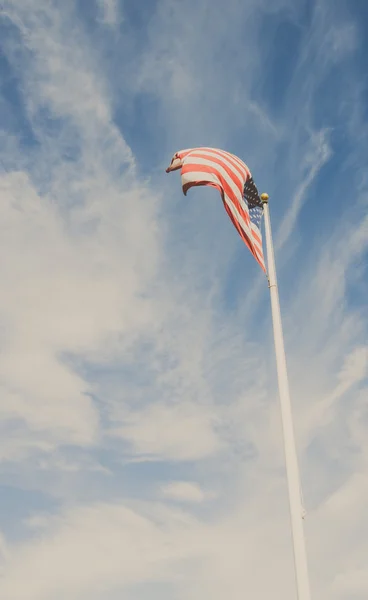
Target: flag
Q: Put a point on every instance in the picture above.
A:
(231, 176)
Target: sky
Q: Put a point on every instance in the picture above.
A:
(141, 446)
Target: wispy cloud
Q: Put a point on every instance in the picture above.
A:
(316, 158)
(110, 12)
(184, 491)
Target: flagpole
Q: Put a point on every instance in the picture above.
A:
(291, 460)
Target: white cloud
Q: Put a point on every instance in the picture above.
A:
(101, 549)
(88, 551)
(354, 370)
(109, 12)
(186, 491)
(316, 158)
(352, 373)
(177, 432)
(62, 294)
(75, 269)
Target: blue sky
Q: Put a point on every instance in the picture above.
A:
(141, 450)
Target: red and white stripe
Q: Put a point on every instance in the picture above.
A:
(228, 174)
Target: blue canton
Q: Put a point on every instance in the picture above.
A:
(255, 215)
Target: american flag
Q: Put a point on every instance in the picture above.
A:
(228, 174)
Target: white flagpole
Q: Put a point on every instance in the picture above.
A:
(292, 469)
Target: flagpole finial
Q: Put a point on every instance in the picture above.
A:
(264, 198)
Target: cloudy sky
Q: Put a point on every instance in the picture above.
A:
(141, 448)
